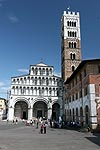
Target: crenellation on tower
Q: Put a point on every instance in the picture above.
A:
(71, 13)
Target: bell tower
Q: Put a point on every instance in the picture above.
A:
(71, 43)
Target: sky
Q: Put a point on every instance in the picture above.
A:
(30, 30)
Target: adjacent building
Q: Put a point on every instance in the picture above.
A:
(3, 108)
(82, 99)
(81, 79)
(37, 94)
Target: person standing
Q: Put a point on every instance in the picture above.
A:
(37, 124)
(41, 129)
(44, 128)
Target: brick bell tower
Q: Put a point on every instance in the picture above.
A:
(71, 43)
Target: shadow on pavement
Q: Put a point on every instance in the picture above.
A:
(95, 139)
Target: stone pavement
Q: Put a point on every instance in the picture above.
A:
(21, 137)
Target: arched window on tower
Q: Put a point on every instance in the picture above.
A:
(74, 44)
(75, 34)
(74, 24)
(70, 23)
(69, 44)
(73, 56)
(68, 34)
(73, 68)
(67, 23)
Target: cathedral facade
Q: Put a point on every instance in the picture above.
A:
(37, 94)
(75, 95)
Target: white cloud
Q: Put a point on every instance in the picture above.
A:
(23, 70)
(4, 88)
(4, 85)
(1, 84)
(57, 74)
(13, 18)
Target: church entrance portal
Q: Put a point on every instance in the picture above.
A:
(40, 109)
(21, 110)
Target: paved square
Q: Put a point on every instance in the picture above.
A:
(21, 137)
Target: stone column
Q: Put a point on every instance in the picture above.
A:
(30, 113)
(49, 113)
(84, 119)
(93, 111)
(49, 108)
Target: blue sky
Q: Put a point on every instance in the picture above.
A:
(31, 30)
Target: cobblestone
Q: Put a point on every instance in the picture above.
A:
(21, 137)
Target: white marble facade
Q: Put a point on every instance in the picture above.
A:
(37, 94)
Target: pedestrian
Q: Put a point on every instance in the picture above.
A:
(13, 121)
(16, 121)
(41, 129)
(37, 124)
(31, 122)
(44, 128)
(7, 121)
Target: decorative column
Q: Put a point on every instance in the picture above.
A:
(93, 111)
(97, 100)
(29, 113)
(49, 108)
